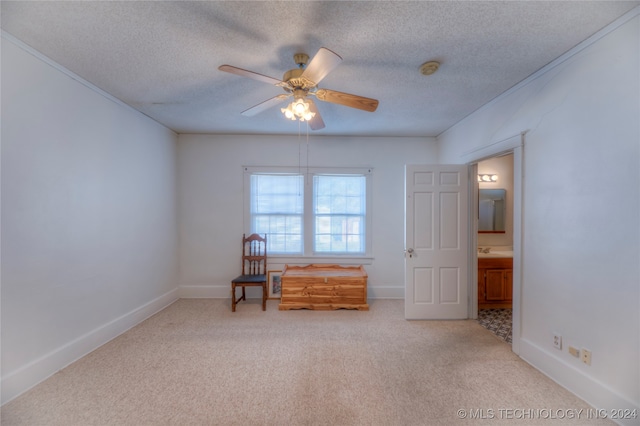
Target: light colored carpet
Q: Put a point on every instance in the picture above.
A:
(197, 363)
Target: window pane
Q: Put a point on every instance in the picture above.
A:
(339, 209)
(276, 194)
(276, 208)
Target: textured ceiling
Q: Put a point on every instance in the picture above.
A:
(162, 57)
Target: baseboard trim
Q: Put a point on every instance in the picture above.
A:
(387, 292)
(35, 372)
(594, 392)
(209, 291)
(224, 292)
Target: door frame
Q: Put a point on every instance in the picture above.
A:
(512, 145)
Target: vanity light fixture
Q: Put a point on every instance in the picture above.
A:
(487, 178)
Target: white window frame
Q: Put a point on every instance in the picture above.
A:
(308, 217)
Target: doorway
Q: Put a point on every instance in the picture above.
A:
(494, 248)
(514, 146)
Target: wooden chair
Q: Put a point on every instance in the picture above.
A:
(254, 269)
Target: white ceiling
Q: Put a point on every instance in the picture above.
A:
(162, 57)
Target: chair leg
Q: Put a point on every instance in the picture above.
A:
(264, 297)
(234, 300)
(233, 297)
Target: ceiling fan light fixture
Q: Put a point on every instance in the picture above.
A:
(308, 116)
(288, 112)
(298, 110)
(300, 107)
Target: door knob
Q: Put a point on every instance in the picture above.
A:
(410, 251)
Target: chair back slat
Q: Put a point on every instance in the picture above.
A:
(254, 254)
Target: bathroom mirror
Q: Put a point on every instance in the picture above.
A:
(492, 211)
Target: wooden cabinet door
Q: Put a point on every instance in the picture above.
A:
(481, 286)
(495, 282)
(508, 284)
(495, 285)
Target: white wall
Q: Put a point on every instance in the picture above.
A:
(581, 208)
(89, 229)
(210, 194)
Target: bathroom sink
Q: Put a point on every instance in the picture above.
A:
(497, 253)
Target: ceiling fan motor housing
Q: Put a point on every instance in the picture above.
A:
(296, 81)
(299, 93)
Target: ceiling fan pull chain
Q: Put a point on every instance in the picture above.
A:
(307, 148)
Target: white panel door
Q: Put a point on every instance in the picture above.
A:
(436, 242)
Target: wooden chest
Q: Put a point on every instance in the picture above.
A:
(323, 287)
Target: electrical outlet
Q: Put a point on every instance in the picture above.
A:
(586, 356)
(557, 341)
(574, 351)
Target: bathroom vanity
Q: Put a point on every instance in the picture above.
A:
(495, 282)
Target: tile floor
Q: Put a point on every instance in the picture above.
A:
(498, 321)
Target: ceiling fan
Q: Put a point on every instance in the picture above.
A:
(301, 83)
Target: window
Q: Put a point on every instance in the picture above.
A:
(315, 212)
(277, 210)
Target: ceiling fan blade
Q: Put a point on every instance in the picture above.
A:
(346, 99)
(316, 123)
(257, 109)
(253, 75)
(321, 65)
